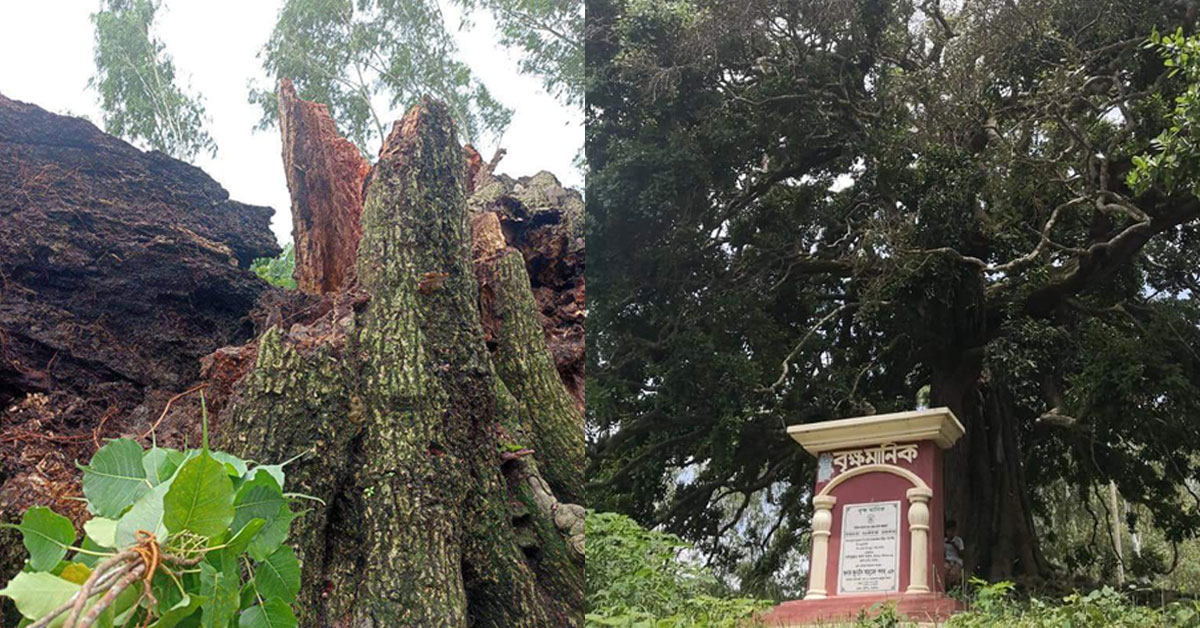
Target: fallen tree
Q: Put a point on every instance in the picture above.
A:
(432, 377)
(119, 270)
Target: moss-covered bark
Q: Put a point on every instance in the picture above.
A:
(423, 524)
(546, 413)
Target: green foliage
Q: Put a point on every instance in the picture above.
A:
(1175, 160)
(993, 606)
(219, 521)
(879, 615)
(639, 577)
(549, 34)
(278, 271)
(812, 221)
(136, 81)
(348, 53)
(46, 535)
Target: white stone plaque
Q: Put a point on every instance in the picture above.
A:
(870, 548)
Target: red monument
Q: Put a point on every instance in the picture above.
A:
(877, 517)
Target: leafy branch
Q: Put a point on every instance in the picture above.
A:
(172, 534)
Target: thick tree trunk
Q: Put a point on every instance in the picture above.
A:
(432, 516)
(985, 483)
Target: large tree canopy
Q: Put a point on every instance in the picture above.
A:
(814, 209)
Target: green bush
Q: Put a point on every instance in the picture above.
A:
(176, 538)
(993, 606)
(642, 578)
(278, 271)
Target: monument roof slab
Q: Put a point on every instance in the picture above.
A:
(936, 424)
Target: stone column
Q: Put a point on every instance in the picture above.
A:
(918, 532)
(822, 521)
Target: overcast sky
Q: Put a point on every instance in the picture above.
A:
(46, 47)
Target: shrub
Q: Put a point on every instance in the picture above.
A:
(638, 577)
(993, 606)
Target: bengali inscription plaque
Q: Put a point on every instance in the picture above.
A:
(870, 548)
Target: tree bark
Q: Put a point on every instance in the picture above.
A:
(429, 517)
(986, 492)
(325, 175)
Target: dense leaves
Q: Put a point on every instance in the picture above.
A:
(217, 521)
(993, 605)
(278, 271)
(549, 36)
(808, 210)
(639, 577)
(345, 53)
(135, 78)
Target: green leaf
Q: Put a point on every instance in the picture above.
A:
(115, 478)
(146, 514)
(37, 594)
(47, 535)
(180, 611)
(157, 111)
(233, 465)
(220, 590)
(276, 471)
(160, 464)
(200, 498)
(102, 530)
(89, 559)
(279, 575)
(272, 614)
(122, 608)
(259, 498)
(241, 540)
(272, 535)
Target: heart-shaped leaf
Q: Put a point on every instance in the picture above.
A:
(279, 575)
(146, 514)
(37, 594)
(115, 478)
(200, 498)
(272, 535)
(220, 590)
(160, 464)
(46, 535)
(272, 614)
(101, 530)
(260, 498)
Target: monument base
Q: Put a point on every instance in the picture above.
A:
(919, 607)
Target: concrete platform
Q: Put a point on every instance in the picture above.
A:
(923, 608)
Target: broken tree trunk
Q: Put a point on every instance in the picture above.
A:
(435, 511)
(544, 221)
(325, 175)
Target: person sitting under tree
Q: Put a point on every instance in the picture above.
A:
(954, 554)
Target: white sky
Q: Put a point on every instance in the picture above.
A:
(46, 48)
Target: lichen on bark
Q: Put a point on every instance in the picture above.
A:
(397, 402)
